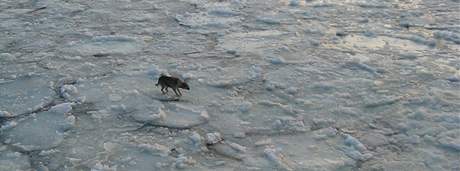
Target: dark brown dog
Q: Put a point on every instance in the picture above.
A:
(173, 82)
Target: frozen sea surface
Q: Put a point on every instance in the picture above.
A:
(275, 85)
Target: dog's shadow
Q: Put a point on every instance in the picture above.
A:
(165, 97)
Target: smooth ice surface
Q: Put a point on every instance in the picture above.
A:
(274, 85)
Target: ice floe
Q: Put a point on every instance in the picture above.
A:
(40, 131)
(25, 95)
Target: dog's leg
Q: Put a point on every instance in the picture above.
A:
(163, 88)
(175, 92)
(178, 90)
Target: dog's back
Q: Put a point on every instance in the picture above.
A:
(165, 81)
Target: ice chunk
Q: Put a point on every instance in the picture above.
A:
(355, 143)
(447, 35)
(41, 167)
(374, 139)
(296, 2)
(455, 77)
(276, 60)
(277, 158)
(66, 89)
(287, 124)
(263, 142)
(227, 150)
(183, 162)
(154, 149)
(61, 108)
(213, 138)
(325, 133)
(450, 139)
(237, 105)
(372, 4)
(237, 147)
(192, 144)
(155, 113)
(5, 114)
(196, 141)
(319, 123)
(181, 117)
(292, 90)
(70, 93)
(8, 124)
(422, 40)
(355, 149)
(361, 66)
(355, 154)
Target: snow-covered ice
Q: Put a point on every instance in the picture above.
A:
(274, 85)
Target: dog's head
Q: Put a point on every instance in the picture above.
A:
(184, 85)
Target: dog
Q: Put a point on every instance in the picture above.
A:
(173, 82)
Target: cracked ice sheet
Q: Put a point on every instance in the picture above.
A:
(351, 63)
(41, 131)
(24, 95)
(11, 160)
